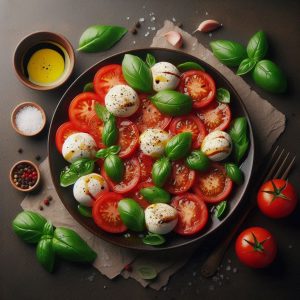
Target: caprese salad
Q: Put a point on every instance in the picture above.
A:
(151, 146)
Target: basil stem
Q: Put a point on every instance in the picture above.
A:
(234, 173)
(45, 253)
(114, 167)
(161, 171)
(189, 65)
(223, 95)
(154, 239)
(179, 146)
(89, 87)
(257, 46)
(150, 60)
(110, 132)
(155, 195)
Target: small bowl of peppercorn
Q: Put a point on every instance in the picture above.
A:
(24, 176)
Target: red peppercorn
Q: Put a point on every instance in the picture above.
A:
(46, 202)
(128, 268)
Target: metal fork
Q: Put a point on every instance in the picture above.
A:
(278, 166)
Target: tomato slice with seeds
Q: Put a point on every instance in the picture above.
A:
(128, 138)
(181, 179)
(63, 131)
(106, 78)
(148, 116)
(131, 177)
(146, 164)
(189, 123)
(105, 213)
(136, 195)
(199, 86)
(82, 109)
(216, 116)
(192, 213)
(213, 185)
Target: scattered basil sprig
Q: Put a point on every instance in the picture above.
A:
(223, 95)
(82, 166)
(197, 160)
(100, 38)
(110, 132)
(103, 153)
(150, 60)
(189, 65)
(234, 173)
(155, 194)
(172, 103)
(154, 239)
(246, 66)
(161, 171)
(89, 87)
(179, 146)
(221, 209)
(137, 73)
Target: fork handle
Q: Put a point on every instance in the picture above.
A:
(210, 266)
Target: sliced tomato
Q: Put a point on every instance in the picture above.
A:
(82, 109)
(146, 163)
(131, 177)
(192, 213)
(128, 138)
(136, 195)
(105, 213)
(189, 123)
(216, 116)
(213, 185)
(199, 86)
(63, 131)
(181, 179)
(95, 129)
(106, 78)
(148, 116)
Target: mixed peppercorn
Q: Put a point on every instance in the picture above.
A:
(24, 176)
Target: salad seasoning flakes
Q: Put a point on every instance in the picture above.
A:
(24, 176)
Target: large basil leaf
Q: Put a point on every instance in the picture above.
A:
(179, 146)
(239, 136)
(246, 66)
(110, 132)
(189, 65)
(161, 171)
(114, 167)
(234, 173)
(136, 73)
(257, 46)
(100, 38)
(172, 103)
(29, 226)
(268, 76)
(70, 246)
(131, 214)
(102, 112)
(197, 160)
(45, 253)
(89, 87)
(229, 53)
(155, 194)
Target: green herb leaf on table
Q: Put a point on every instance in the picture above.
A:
(48, 229)
(172, 103)
(197, 160)
(100, 38)
(257, 46)
(45, 253)
(155, 194)
(89, 87)
(223, 95)
(234, 173)
(154, 239)
(147, 272)
(246, 66)
(84, 211)
(179, 146)
(110, 132)
(161, 171)
(136, 73)
(114, 167)
(229, 53)
(102, 112)
(150, 60)
(220, 210)
(189, 65)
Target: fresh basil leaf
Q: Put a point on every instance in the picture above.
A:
(246, 66)
(100, 38)
(147, 272)
(269, 77)
(89, 87)
(223, 95)
(150, 60)
(114, 167)
(220, 209)
(154, 239)
(45, 253)
(172, 103)
(229, 53)
(136, 73)
(48, 229)
(102, 153)
(258, 46)
(110, 132)
(234, 173)
(29, 226)
(102, 112)
(85, 211)
(155, 194)
(239, 136)
(189, 65)
(115, 149)
(70, 246)
(179, 146)
(197, 160)
(132, 215)
(161, 171)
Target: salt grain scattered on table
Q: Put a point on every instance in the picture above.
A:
(210, 34)
(194, 274)
(147, 33)
(141, 19)
(228, 268)
(173, 19)
(152, 19)
(234, 270)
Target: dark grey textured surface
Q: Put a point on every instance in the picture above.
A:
(20, 275)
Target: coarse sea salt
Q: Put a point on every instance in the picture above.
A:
(29, 120)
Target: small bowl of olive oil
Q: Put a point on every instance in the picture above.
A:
(44, 60)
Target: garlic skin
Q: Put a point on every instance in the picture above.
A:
(174, 38)
(208, 26)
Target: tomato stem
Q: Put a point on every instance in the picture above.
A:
(277, 192)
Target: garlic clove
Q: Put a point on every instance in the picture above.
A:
(208, 26)
(174, 38)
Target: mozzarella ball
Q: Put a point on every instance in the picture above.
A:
(165, 76)
(78, 145)
(217, 145)
(153, 142)
(160, 218)
(122, 100)
(87, 187)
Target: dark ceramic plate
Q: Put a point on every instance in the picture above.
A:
(57, 163)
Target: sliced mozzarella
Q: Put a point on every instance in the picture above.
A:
(217, 145)
(153, 141)
(87, 187)
(165, 76)
(79, 145)
(122, 100)
(160, 218)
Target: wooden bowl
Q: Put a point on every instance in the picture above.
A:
(30, 42)
(12, 179)
(18, 108)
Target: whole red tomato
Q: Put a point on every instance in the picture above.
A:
(277, 198)
(256, 247)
